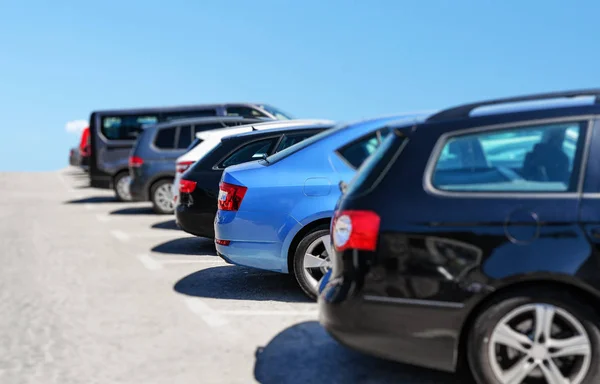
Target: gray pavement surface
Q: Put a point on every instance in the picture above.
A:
(96, 291)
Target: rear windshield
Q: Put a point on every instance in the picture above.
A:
(194, 144)
(367, 175)
(303, 144)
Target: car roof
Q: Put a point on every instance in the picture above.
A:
(204, 120)
(175, 108)
(573, 101)
(273, 124)
(278, 130)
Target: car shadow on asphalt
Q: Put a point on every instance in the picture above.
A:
(93, 200)
(193, 246)
(134, 211)
(305, 353)
(169, 224)
(241, 283)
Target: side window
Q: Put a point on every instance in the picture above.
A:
(185, 136)
(165, 138)
(357, 152)
(125, 127)
(251, 151)
(289, 140)
(244, 112)
(207, 127)
(522, 159)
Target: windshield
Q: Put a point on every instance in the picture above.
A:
(301, 145)
(278, 113)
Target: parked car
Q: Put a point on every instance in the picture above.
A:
(274, 214)
(84, 149)
(207, 141)
(74, 158)
(199, 186)
(152, 161)
(473, 241)
(113, 134)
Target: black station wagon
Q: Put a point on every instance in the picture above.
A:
(472, 239)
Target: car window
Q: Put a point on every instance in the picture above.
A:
(165, 138)
(244, 112)
(125, 127)
(289, 140)
(278, 113)
(525, 159)
(185, 136)
(357, 152)
(252, 151)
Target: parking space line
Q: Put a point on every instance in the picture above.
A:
(242, 312)
(102, 218)
(195, 260)
(149, 262)
(206, 313)
(119, 235)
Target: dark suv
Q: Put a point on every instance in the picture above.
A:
(152, 161)
(475, 238)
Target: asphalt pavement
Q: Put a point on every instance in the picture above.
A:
(97, 291)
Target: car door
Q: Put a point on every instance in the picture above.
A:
(479, 214)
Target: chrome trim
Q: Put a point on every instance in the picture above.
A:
(429, 303)
(442, 140)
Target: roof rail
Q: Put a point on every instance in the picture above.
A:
(463, 111)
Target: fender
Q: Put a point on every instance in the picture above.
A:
(294, 231)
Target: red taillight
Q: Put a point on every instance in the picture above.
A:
(355, 230)
(183, 166)
(222, 242)
(230, 196)
(186, 186)
(135, 161)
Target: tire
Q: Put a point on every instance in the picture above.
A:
(160, 198)
(120, 193)
(308, 287)
(482, 359)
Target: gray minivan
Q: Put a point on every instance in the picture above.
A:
(153, 158)
(113, 133)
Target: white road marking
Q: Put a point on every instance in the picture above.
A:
(120, 235)
(205, 312)
(149, 262)
(102, 218)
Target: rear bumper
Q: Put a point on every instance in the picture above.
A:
(409, 334)
(138, 187)
(195, 222)
(256, 238)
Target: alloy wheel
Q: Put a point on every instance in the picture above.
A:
(317, 260)
(164, 197)
(123, 188)
(540, 342)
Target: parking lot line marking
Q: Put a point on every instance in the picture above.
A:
(206, 313)
(102, 218)
(120, 235)
(149, 262)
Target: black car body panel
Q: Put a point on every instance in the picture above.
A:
(196, 212)
(442, 255)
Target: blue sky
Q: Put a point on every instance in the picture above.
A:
(333, 59)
